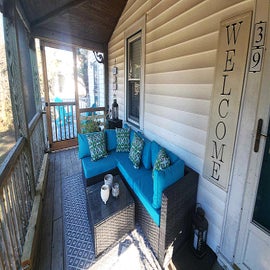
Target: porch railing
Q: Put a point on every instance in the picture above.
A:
(63, 121)
(18, 176)
(37, 141)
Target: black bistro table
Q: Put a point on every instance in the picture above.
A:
(111, 221)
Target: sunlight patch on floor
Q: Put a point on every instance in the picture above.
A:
(130, 252)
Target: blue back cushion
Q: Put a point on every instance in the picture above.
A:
(155, 147)
(164, 178)
(146, 155)
(173, 157)
(84, 150)
(110, 139)
(131, 135)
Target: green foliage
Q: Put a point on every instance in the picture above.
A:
(6, 116)
(90, 126)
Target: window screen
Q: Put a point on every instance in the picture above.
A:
(7, 131)
(27, 76)
(134, 78)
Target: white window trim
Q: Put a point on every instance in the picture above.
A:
(133, 29)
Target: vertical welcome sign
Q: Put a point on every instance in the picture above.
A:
(226, 98)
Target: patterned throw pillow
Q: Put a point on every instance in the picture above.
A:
(136, 148)
(162, 161)
(122, 139)
(97, 145)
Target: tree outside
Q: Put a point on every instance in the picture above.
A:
(7, 135)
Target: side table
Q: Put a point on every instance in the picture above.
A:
(111, 221)
(115, 123)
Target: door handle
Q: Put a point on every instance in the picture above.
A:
(258, 135)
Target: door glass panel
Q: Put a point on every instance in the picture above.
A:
(60, 74)
(134, 101)
(261, 215)
(135, 59)
(91, 90)
(90, 80)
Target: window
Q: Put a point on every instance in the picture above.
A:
(7, 133)
(91, 87)
(134, 98)
(134, 79)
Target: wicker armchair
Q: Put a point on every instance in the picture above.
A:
(178, 205)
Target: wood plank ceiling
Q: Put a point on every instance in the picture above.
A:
(87, 23)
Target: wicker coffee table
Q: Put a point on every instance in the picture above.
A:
(110, 222)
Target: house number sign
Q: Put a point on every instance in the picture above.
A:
(257, 47)
(226, 98)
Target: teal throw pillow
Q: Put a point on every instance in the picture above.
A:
(162, 161)
(97, 145)
(122, 140)
(136, 149)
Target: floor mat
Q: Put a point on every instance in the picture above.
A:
(132, 250)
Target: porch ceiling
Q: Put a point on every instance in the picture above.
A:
(82, 22)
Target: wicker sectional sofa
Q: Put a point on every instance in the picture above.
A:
(165, 200)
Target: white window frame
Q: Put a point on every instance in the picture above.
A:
(132, 33)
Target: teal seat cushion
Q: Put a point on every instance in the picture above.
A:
(93, 168)
(140, 181)
(143, 187)
(83, 150)
(164, 178)
(127, 169)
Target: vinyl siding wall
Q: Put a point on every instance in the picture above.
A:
(181, 40)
